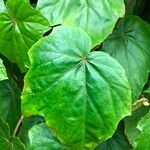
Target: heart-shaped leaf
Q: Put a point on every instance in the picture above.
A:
(82, 94)
(129, 44)
(21, 26)
(97, 17)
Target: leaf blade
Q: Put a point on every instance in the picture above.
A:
(66, 69)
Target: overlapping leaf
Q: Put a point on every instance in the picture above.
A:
(82, 94)
(131, 123)
(27, 124)
(21, 26)
(143, 142)
(41, 137)
(117, 142)
(8, 142)
(10, 102)
(129, 44)
(97, 17)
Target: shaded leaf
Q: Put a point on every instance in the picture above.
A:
(10, 102)
(129, 44)
(143, 142)
(3, 74)
(27, 124)
(21, 26)
(97, 17)
(134, 6)
(8, 142)
(82, 94)
(41, 137)
(117, 142)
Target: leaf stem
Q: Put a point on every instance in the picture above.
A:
(18, 126)
(14, 78)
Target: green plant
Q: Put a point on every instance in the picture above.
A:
(74, 75)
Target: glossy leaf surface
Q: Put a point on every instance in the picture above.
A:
(97, 17)
(129, 44)
(82, 94)
(21, 26)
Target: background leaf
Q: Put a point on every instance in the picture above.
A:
(27, 124)
(41, 137)
(3, 74)
(10, 103)
(97, 17)
(117, 142)
(21, 26)
(8, 142)
(143, 141)
(129, 44)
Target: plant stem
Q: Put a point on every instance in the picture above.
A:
(14, 78)
(18, 126)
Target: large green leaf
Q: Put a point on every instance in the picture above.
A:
(97, 17)
(82, 94)
(41, 137)
(117, 142)
(143, 142)
(8, 142)
(131, 122)
(129, 44)
(21, 26)
(3, 74)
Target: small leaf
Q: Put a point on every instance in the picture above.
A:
(117, 142)
(21, 26)
(41, 137)
(82, 94)
(131, 122)
(97, 17)
(3, 74)
(129, 44)
(143, 141)
(7, 142)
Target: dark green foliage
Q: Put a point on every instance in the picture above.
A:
(74, 74)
